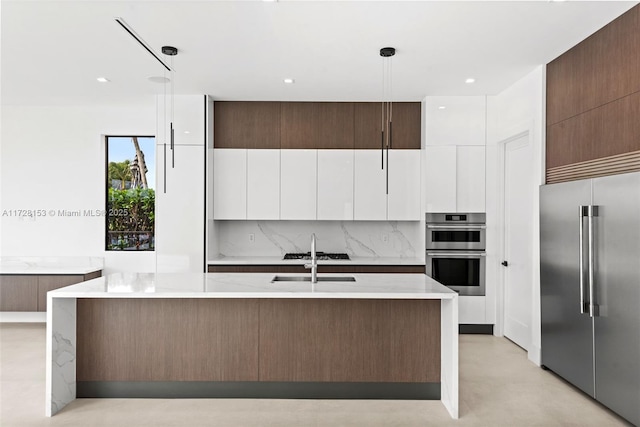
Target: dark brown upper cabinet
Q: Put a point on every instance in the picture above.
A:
(593, 100)
(602, 68)
(246, 125)
(321, 125)
(405, 130)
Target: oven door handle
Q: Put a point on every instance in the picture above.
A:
(462, 254)
(459, 227)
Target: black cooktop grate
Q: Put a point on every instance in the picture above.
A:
(320, 255)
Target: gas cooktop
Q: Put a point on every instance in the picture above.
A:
(321, 256)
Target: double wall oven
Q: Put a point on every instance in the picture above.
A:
(456, 254)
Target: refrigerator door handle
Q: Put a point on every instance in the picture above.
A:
(593, 308)
(584, 307)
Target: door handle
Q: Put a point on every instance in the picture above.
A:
(505, 263)
(583, 212)
(593, 307)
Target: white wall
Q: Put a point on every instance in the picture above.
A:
(53, 158)
(518, 108)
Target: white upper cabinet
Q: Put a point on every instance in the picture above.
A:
(229, 183)
(263, 184)
(470, 179)
(298, 176)
(403, 200)
(455, 179)
(462, 121)
(440, 178)
(188, 118)
(370, 196)
(335, 184)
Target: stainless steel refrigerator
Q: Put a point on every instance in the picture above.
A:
(590, 287)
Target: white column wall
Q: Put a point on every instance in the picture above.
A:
(520, 107)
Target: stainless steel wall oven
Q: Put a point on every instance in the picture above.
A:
(455, 245)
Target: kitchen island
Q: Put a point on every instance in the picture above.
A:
(382, 336)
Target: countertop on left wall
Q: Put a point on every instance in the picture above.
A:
(50, 264)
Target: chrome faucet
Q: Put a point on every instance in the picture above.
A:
(314, 260)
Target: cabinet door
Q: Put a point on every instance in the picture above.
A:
(311, 125)
(440, 179)
(263, 184)
(461, 122)
(229, 184)
(180, 213)
(298, 177)
(470, 179)
(403, 200)
(247, 125)
(18, 293)
(471, 310)
(49, 283)
(370, 197)
(367, 121)
(335, 184)
(406, 125)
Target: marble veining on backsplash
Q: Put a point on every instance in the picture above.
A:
(359, 239)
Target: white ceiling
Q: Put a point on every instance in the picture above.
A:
(52, 51)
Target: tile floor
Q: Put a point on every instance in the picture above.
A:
(499, 387)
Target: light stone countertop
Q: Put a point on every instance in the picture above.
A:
(277, 260)
(254, 285)
(50, 265)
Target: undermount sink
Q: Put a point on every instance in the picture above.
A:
(308, 279)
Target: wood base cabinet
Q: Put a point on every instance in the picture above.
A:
(28, 293)
(265, 340)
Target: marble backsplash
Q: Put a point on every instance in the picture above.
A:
(357, 238)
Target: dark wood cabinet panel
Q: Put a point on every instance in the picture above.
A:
(406, 132)
(29, 292)
(313, 125)
(246, 125)
(602, 68)
(353, 269)
(367, 122)
(50, 282)
(321, 125)
(350, 340)
(167, 340)
(593, 103)
(18, 293)
(609, 130)
(406, 126)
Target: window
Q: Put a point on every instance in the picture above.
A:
(131, 176)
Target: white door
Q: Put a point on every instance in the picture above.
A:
(335, 185)
(370, 181)
(470, 179)
(263, 184)
(298, 184)
(229, 183)
(518, 240)
(440, 178)
(403, 200)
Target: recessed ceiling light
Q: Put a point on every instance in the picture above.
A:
(103, 80)
(186, 131)
(442, 107)
(289, 81)
(158, 79)
(470, 80)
